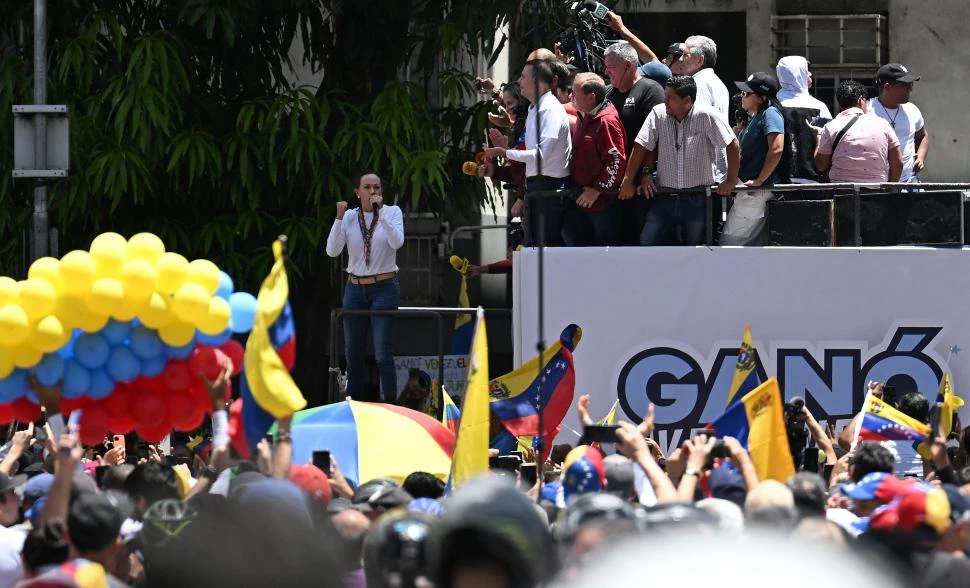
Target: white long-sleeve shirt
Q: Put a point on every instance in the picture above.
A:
(387, 239)
(554, 143)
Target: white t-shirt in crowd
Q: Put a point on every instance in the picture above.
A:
(556, 144)
(906, 120)
(388, 237)
(11, 566)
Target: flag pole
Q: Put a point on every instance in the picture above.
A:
(541, 343)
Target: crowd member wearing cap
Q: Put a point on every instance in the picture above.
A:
(866, 152)
(633, 96)
(11, 539)
(895, 83)
(762, 144)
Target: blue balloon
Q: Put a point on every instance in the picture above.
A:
(213, 340)
(77, 380)
(123, 365)
(243, 308)
(101, 384)
(13, 386)
(153, 366)
(145, 342)
(91, 350)
(115, 332)
(67, 351)
(50, 369)
(182, 352)
(225, 286)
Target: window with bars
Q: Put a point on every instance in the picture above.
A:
(846, 41)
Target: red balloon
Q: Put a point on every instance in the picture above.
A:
(24, 410)
(147, 409)
(177, 376)
(235, 351)
(122, 424)
(204, 361)
(116, 405)
(186, 413)
(156, 433)
(6, 413)
(94, 424)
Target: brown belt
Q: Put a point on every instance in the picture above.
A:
(365, 280)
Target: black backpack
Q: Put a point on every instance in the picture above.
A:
(798, 158)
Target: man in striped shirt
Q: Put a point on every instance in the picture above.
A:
(682, 139)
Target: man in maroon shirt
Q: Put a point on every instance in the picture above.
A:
(598, 164)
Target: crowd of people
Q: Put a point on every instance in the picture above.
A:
(631, 159)
(202, 516)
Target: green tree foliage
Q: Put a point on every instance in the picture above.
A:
(184, 121)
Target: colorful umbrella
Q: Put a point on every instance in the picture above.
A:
(371, 440)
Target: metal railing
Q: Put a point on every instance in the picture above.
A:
(436, 313)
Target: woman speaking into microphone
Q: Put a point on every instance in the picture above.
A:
(372, 234)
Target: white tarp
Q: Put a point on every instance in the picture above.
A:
(666, 323)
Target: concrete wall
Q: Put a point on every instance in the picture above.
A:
(934, 44)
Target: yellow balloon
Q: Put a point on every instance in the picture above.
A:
(172, 270)
(156, 313)
(145, 246)
(216, 319)
(25, 356)
(109, 250)
(191, 303)
(37, 297)
(14, 325)
(6, 363)
(105, 296)
(76, 272)
(71, 310)
(139, 278)
(92, 323)
(204, 273)
(130, 308)
(49, 334)
(9, 291)
(47, 268)
(177, 333)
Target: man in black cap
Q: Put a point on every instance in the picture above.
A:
(894, 84)
(94, 532)
(9, 499)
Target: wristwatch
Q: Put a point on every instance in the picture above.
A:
(692, 472)
(209, 473)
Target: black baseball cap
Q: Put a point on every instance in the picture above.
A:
(9, 483)
(894, 72)
(675, 49)
(93, 522)
(760, 83)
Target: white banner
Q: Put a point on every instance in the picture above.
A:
(455, 372)
(663, 325)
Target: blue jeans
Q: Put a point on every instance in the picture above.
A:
(384, 295)
(689, 210)
(553, 208)
(586, 228)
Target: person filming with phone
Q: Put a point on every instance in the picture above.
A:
(372, 235)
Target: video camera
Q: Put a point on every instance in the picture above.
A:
(584, 39)
(796, 429)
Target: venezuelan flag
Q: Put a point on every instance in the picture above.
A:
(881, 422)
(450, 415)
(519, 396)
(461, 337)
(470, 458)
(757, 421)
(745, 371)
(267, 390)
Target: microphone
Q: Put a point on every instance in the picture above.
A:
(459, 263)
(596, 9)
(469, 168)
